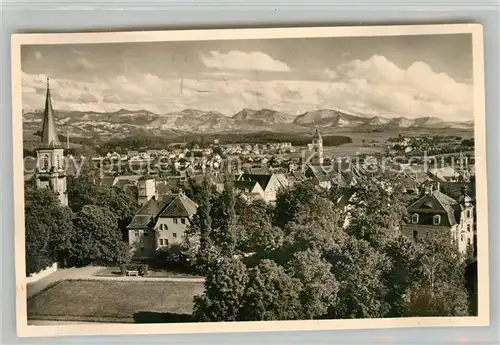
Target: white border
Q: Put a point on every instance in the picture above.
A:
(476, 30)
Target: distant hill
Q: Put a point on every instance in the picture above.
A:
(125, 123)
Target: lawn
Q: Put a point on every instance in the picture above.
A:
(115, 301)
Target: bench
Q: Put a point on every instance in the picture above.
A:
(132, 273)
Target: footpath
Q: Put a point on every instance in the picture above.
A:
(88, 273)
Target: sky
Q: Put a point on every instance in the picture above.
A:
(391, 76)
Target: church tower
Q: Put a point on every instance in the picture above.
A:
(317, 145)
(51, 171)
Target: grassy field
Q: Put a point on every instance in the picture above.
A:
(115, 301)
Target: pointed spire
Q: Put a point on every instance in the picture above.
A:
(49, 131)
(317, 134)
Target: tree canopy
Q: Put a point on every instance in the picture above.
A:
(48, 227)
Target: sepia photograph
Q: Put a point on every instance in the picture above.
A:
(250, 179)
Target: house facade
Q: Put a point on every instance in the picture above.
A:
(160, 222)
(436, 211)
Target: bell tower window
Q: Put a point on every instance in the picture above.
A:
(45, 163)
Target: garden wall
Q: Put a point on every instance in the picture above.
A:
(42, 274)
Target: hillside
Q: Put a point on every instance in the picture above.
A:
(126, 123)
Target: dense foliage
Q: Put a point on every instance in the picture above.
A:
(307, 257)
(140, 142)
(90, 230)
(48, 227)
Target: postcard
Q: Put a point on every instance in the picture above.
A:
(245, 180)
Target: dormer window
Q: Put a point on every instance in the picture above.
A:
(436, 219)
(468, 213)
(414, 218)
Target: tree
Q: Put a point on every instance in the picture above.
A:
(48, 228)
(271, 294)
(81, 192)
(360, 271)
(262, 237)
(379, 211)
(406, 271)
(255, 232)
(224, 220)
(319, 286)
(98, 238)
(198, 243)
(442, 291)
(316, 225)
(289, 201)
(117, 200)
(225, 285)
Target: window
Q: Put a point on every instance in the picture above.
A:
(414, 218)
(427, 234)
(175, 220)
(46, 162)
(165, 242)
(468, 213)
(469, 241)
(163, 227)
(436, 219)
(145, 233)
(58, 160)
(468, 227)
(462, 237)
(415, 233)
(174, 235)
(183, 220)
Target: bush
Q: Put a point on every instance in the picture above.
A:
(143, 270)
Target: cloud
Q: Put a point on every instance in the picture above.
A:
(81, 62)
(326, 74)
(415, 91)
(371, 87)
(238, 60)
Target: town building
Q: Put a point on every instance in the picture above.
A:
(436, 211)
(270, 183)
(50, 172)
(445, 174)
(249, 190)
(160, 222)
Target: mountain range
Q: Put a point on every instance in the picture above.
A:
(127, 122)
